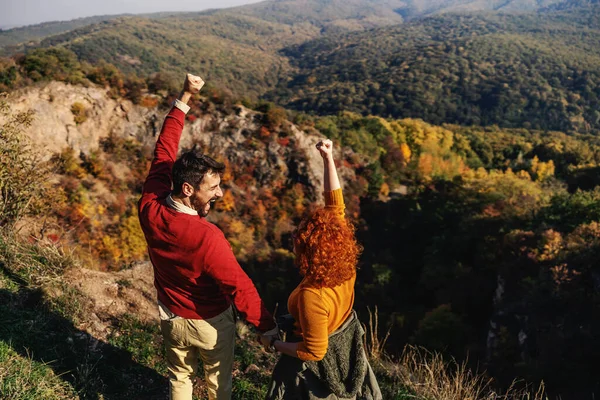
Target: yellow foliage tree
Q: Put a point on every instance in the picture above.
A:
(434, 166)
(227, 202)
(552, 243)
(131, 239)
(227, 175)
(425, 166)
(406, 152)
(384, 190)
(110, 249)
(507, 188)
(540, 170)
(241, 238)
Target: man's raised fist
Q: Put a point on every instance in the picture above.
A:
(192, 84)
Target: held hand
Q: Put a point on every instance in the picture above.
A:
(192, 84)
(325, 147)
(265, 340)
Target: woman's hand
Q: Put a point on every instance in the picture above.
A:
(325, 147)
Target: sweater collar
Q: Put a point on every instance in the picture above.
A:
(180, 207)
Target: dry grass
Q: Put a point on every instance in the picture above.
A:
(34, 262)
(421, 374)
(429, 376)
(373, 345)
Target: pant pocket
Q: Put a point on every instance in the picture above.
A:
(174, 331)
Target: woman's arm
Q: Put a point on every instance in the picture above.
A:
(290, 349)
(332, 191)
(313, 320)
(330, 176)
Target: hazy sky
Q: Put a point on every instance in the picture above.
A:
(26, 12)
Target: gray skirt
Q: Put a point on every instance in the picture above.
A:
(345, 360)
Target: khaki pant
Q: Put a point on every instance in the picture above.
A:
(213, 341)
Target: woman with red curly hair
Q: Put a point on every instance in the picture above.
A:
(325, 358)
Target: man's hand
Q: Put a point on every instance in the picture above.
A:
(265, 341)
(325, 147)
(192, 84)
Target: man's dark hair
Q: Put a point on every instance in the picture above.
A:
(191, 168)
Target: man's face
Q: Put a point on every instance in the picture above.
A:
(210, 190)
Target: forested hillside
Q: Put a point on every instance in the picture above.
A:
(12, 37)
(329, 15)
(233, 48)
(531, 71)
(537, 71)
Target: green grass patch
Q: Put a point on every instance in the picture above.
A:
(25, 379)
(244, 388)
(143, 341)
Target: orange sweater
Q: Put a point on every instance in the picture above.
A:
(319, 312)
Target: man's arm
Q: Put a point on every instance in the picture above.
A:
(220, 264)
(158, 181)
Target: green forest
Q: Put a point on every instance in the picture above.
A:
(513, 71)
(537, 71)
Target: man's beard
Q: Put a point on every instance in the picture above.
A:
(204, 209)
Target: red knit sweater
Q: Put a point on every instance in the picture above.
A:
(195, 272)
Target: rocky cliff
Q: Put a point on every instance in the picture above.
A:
(225, 133)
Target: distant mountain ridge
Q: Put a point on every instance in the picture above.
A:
(15, 36)
(536, 70)
(421, 8)
(570, 4)
(327, 14)
(353, 14)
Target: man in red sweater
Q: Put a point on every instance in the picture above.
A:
(196, 275)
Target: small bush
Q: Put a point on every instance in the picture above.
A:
(79, 113)
(23, 174)
(68, 163)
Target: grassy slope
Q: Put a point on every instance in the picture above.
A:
(45, 351)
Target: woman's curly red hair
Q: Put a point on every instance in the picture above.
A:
(326, 248)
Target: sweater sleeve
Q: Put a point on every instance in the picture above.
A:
(158, 182)
(313, 317)
(221, 265)
(334, 200)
